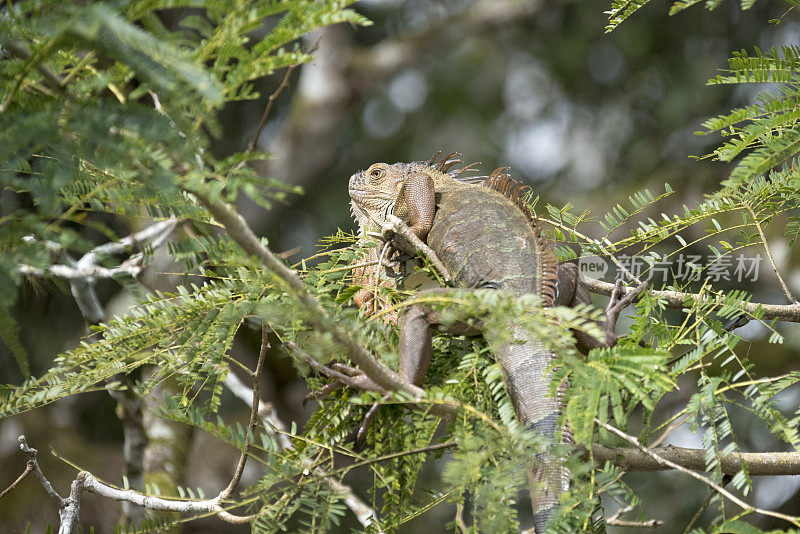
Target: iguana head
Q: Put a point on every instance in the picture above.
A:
(377, 192)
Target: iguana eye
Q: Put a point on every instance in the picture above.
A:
(377, 172)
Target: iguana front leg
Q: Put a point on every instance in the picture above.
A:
(416, 203)
(415, 347)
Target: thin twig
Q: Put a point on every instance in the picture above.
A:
(789, 297)
(253, 423)
(28, 469)
(270, 101)
(400, 454)
(660, 439)
(700, 511)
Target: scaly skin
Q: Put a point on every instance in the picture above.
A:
(371, 278)
(486, 240)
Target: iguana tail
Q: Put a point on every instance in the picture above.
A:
(525, 367)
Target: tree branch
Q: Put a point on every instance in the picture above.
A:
(758, 463)
(238, 229)
(90, 483)
(275, 427)
(394, 224)
(82, 276)
(705, 480)
(69, 508)
(789, 297)
(678, 299)
(34, 461)
(135, 438)
(83, 273)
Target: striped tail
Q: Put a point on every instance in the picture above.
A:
(527, 381)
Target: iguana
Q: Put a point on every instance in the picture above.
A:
(486, 237)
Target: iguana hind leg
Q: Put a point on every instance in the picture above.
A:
(573, 291)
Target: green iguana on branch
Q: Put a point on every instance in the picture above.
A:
(486, 237)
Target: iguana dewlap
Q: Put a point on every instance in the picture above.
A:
(486, 238)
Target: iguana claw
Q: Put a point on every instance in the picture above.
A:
(615, 307)
(361, 435)
(356, 380)
(344, 375)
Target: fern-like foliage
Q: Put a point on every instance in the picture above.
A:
(117, 111)
(760, 137)
(765, 134)
(119, 115)
(621, 10)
